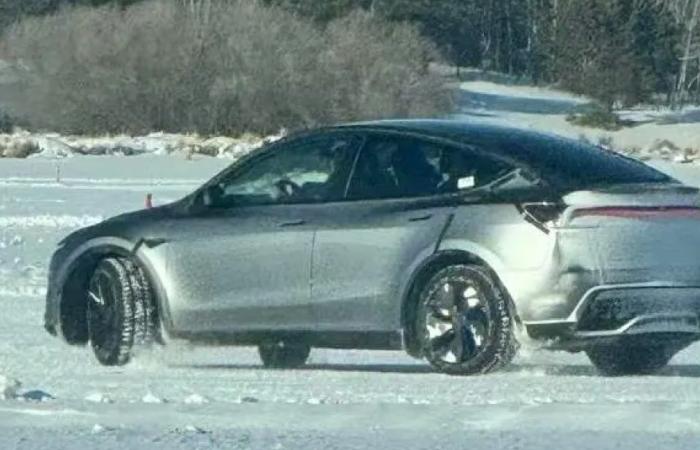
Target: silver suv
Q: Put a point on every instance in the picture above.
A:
(437, 237)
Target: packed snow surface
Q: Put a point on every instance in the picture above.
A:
(53, 396)
(179, 397)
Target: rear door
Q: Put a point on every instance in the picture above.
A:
(399, 201)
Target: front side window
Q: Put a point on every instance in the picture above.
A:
(309, 170)
(400, 167)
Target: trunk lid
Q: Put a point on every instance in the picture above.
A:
(640, 233)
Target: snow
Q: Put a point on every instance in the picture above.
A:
(8, 387)
(21, 143)
(523, 92)
(98, 397)
(545, 109)
(152, 398)
(181, 397)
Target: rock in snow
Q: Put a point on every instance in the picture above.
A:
(151, 398)
(9, 388)
(98, 397)
(196, 399)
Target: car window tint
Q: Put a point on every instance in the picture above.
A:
(580, 165)
(404, 167)
(305, 171)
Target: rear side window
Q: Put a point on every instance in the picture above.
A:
(576, 165)
(402, 167)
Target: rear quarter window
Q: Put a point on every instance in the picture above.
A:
(574, 165)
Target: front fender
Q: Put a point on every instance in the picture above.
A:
(65, 263)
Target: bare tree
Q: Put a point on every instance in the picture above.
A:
(219, 67)
(687, 16)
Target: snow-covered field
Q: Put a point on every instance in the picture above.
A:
(655, 132)
(179, 397)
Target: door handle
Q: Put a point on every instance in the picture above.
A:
(293, 223)
(420, 218)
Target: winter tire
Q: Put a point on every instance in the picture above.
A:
(284, 355)
(120, 311)
(464, 322)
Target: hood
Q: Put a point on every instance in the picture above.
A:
(146, 215)
(123, 224)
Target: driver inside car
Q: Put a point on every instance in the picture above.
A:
(337, 161)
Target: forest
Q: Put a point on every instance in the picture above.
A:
(618, 52)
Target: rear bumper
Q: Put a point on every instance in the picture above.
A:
(610, 312)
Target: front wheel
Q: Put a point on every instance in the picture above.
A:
(284, 355)
(630, 359)
(120, 310)
(464, 322)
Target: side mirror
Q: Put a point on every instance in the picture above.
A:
(211, 196)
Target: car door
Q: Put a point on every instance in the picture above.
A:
(244, 261)
(392, 218)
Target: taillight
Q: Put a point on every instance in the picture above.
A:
(639, 212)
(543, 215)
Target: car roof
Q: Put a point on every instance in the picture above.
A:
(459, 130)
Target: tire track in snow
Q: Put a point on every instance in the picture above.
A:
(49, 221)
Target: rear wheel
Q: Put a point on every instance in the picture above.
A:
(464, 321)
(630, 359)
(120, 312)
(284, 355)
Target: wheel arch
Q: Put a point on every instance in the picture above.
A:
(438, 260)
(71, 294)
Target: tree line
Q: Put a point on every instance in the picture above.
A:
(617, 51)
(216, 68)
(620, 52)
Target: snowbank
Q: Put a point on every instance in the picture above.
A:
(22, 144)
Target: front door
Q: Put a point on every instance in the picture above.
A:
(244, 262)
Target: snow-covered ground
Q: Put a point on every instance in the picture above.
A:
(57, 397)
(655, 133)
(179, 397)
(22, 144)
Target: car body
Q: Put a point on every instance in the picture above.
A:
(589, 246)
